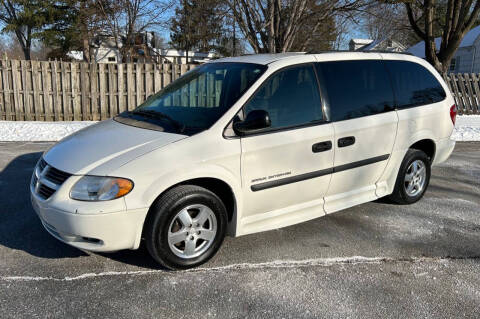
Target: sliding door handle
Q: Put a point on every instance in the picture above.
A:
(322, 147)
(346, 141)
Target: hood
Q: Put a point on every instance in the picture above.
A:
(103, 147)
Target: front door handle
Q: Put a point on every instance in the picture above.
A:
(322, 146)
(346, 141)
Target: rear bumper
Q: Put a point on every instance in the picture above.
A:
(95, 232)
(444, 149)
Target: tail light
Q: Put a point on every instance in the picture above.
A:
(453, 113)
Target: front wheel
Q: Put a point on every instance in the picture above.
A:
(185, 227)
(413, 178)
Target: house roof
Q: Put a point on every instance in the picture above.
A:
(396, 46)
(469, 39)
(361, 41)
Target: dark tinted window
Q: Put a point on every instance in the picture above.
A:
(414, 84)
(290, 97)
(356, 88)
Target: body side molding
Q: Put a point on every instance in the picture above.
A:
(314, 174)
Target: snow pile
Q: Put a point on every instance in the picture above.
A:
(39, 131)
(467, 128)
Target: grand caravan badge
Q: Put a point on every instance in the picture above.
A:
(268, 178)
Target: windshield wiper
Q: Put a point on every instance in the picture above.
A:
(158, 115)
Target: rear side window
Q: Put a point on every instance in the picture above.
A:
(413, 84)
(291, 98)
(356, 88)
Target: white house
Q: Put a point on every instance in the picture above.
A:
(104, 49)
(466, 59)
(372, 45)
(75, 55)
(357, 44)
(180, 57)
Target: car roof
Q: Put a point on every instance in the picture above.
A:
(268, 58)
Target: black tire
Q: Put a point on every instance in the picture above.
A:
(400, 195)
(164, 211)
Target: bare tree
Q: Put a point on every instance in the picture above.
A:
(90, 21)
(126, 18)
(272, 25)
(388, 21)
(384, 20)
(316, 35)
(456, 18)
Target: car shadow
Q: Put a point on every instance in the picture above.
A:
(20, 228)
(138, 258)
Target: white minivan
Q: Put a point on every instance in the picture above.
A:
(247, 144)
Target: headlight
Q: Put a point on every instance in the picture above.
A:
(97, 188)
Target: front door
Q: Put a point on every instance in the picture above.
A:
(286, 169)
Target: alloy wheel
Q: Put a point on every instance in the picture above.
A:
(192, 231)
(415, 178)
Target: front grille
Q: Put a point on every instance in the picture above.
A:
(56, 176)
(42, 164)
(47, 179)
(45, 191)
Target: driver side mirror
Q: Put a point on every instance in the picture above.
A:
(256, 120)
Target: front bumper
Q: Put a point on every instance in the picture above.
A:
(94, 232)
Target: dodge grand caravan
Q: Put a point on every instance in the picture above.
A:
(247, 144)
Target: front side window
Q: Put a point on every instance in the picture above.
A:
(414, 85)
(290, 97)
(356, 88)
(198, 99)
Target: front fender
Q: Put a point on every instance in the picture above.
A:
(164, 182)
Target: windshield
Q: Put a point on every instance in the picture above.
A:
(195, 101)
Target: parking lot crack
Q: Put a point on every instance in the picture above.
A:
(318, 262)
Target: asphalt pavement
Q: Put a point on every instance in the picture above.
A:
(415, 261)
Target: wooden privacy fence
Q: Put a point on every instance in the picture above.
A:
(65, 91)
(466, 90)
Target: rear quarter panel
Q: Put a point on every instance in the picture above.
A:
(430, 122)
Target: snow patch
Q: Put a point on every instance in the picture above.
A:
(15, 131)
(467, 128)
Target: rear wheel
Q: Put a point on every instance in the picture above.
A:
(413, 178)
(186, 227)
